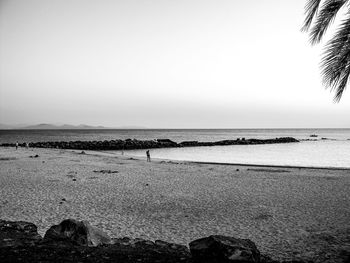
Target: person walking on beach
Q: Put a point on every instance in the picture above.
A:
(148, 156)
(16, 145)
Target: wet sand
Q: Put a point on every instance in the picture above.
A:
(290, 213)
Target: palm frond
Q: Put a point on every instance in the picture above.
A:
(325, 17)
(335, 63)
(310, 11)
(342, 83)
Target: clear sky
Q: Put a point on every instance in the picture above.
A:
(162, 64)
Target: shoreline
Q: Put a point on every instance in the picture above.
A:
(277, 166)
(226, 163)
(101, 153)
(290, 213)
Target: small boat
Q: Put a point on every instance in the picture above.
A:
(313, 135)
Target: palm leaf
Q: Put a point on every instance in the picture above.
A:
(336, 60)
(310, 11)
(325, 17)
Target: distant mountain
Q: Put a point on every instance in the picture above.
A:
(5, 127)
(10, 126)
(131, 128)
(47, 126)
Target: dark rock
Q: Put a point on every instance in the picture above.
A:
(165, 141)
(105, 171)
(188, 143)
(144, 242)
(7, 158)
(129, 144)
(174, 246)
(20, 233)
(78, 232)
(65, 252)
(222, 249)
(20, 242)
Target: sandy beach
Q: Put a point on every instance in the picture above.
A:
(290, 213)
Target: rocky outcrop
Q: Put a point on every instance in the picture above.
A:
(15, 234)
(70, 242)
(131, 144)
(78, 232)
(217, 249)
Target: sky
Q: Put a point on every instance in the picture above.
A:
(163, 64)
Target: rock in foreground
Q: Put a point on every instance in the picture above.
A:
(15, 234)
(78, 232)
(75, 241)
(223, 249)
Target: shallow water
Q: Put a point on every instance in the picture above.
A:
(305, 153)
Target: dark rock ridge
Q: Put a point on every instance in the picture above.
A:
(132, 144)
(215, 249)
(78, 241)
(78, 232)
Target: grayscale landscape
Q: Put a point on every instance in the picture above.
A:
(175, 131)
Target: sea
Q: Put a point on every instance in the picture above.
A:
(317, 147)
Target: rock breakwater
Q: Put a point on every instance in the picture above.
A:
(133, 144)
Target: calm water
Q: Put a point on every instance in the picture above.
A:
(315, 154)
(333, 152)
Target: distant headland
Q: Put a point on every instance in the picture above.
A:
(49, 126)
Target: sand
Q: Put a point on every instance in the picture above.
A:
(290, 213)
